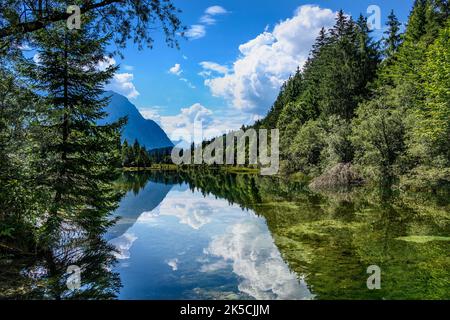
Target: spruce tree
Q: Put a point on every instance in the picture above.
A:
(78, 158)
(417, 21)
(393, 38)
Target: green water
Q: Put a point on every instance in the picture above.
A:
(208, 234)
(329, 239)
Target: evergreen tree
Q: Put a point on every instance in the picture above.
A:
(417, 21)
(393, 39)
(77, 157)
(433, 125)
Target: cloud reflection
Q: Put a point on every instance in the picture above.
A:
(249, 247)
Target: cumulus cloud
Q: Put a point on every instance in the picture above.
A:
(212, 123)
(152, 113)
(196, 31)
(176, 69)
(189, 115)
(192, 213)
(266, 61)
(190, 210)
(121, 82)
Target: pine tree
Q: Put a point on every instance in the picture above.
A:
(393, 39)
(78, 157)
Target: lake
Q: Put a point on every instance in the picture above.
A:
(214, 235)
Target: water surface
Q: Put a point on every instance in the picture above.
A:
(224, 236)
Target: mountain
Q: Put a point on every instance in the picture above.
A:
(147, 132)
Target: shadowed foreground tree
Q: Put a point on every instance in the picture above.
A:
(78, 158)
(124, 19)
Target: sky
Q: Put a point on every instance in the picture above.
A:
(236, 56)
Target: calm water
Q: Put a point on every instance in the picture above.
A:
(175, 243)
(222, 236)
(215, 235)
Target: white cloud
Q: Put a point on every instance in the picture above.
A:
(207, 19)
(193, 211)
(209, 66)
(214, 10)
(128, 67)
(196, 31)
(215, 266)
(123, 83)
(213, 124)
(176, 69)
(196, 112)
(106, 63)
(267, 60)
(181, 125)
(152, 113)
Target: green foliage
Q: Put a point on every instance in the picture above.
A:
(393, 39)
(135, 156)
(305, 150)
(77, 157)
(433, 125)
(126, 20)
(379, 134)
(339, 147)
(390, 118)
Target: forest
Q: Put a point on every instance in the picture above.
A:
(58, 167)
(374, 111)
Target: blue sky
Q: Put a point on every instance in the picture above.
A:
(228, 72)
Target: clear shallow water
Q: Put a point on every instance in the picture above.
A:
(174, 243)
(208, 234)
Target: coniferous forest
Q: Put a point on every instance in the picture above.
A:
(361, 112)
(382, 107)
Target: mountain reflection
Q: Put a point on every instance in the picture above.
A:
(208, 234)
(200, 246)
(230, 236)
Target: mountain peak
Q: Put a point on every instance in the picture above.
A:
(146, 131)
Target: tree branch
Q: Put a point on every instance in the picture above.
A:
(26, 27)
